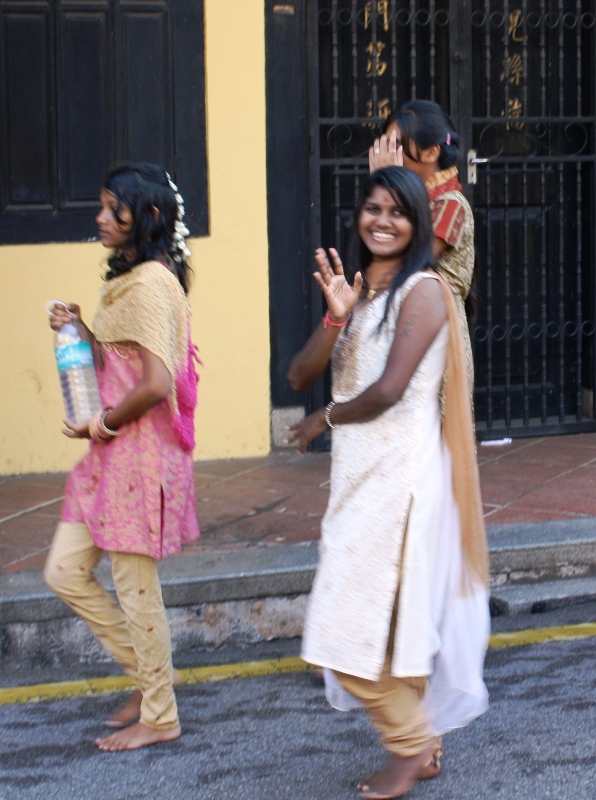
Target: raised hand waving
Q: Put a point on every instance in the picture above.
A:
(341, 297)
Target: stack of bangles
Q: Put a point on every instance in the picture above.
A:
(98, 430)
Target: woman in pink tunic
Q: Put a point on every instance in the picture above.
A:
(132, 495)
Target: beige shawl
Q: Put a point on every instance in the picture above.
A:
(458, 433)
(148, 306)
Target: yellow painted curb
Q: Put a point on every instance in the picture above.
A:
(255, 669)
(584, 630)
(123, 683)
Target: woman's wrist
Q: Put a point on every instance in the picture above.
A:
(327, 414)
(335, 321)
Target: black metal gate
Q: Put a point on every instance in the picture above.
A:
(519, 81)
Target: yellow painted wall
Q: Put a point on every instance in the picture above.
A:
(229, 297)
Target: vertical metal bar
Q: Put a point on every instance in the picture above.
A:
(432, 48)
(393, 24)
(507, 243)
(507, 266)
(578, 289)
(561, 281)
(413, 73)
(525, 253)
(487, 63)
(525, 290)
(334, 59)
(374, 58)
(355, 107)
(578, 225)
(543, 243)
(489, 253)
(543, 306)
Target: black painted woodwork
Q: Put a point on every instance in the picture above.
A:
(290, 258)
(88, 84)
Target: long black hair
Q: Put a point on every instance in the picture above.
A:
(426, 124)
(142, 188)
(411, 196)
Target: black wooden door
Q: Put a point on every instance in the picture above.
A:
(518, 79)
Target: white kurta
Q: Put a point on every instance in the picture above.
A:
(386, 475)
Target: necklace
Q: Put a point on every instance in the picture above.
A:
(370, 293)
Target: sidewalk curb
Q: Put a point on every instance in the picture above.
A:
(259, 593)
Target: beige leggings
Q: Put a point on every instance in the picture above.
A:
(136, 631)
(394, 705)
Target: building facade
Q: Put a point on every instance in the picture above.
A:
(264, 112)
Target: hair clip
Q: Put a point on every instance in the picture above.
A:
(448, 139)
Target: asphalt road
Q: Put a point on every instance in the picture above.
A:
(275, 738)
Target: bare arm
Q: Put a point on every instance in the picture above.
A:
(422, 315)
(154, 386)
(311, 362)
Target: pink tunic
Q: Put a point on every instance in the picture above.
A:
(135, 493)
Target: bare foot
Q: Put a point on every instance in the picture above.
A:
(432, 767)
(128, 712)
(397, 778)
(131, 710)
(136, 736)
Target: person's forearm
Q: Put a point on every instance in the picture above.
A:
(312, 361)
(367, 406)
(134, 405)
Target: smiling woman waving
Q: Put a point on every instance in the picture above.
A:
(400, 591)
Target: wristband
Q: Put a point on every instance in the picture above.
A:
(328, 321)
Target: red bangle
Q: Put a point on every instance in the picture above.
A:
(328, 321)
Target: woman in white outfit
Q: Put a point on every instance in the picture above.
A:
(400, 592)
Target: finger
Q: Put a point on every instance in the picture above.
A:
(337, 265)
(358, 281)
(320, 281)
(400, 156)
(393, 142)
(324, 265)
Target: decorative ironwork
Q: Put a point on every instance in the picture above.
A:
(530, 89)
(534, 344)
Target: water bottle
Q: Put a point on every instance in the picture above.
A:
(74, 358)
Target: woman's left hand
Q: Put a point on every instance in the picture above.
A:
(308, 429)
(76, 431)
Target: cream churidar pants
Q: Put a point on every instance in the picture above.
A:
(394, 705)
(136, 632)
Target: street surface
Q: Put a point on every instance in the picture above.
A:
(275, 737)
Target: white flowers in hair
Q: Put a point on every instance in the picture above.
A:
(180, 229)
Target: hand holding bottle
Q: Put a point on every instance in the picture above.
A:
(62, 313)
(74, 358)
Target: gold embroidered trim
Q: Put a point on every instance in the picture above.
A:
(440, 177)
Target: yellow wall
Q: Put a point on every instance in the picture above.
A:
(230, 294)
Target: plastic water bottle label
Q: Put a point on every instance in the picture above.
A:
(74, 355)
